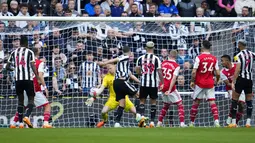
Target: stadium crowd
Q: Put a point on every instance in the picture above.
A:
(71, 49)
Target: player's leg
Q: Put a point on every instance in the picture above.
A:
(241, 103)
(163, 113)
(210, 94)
(30, 94)
(109, 105)
(235, 97)
(229, 119)
(20, 94)
(175, 98)
(153, 92)
(142, 96)
(249, 106)
(119, 112)
(197, 96)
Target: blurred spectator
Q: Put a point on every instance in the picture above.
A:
(194, 50)
(182, 56)
(138, 27)
(77, 55)
(71, 6)
(152, 11)
(1, 50)
(57, 53)
(181, 86)
(71, 42)
(105, 7)
(89, 73)
(164, 54)
(97, 11)
(186, 8)
(2, 31)
(52, 7)
(5, 12)
(134, 11)
(59, 10)
(111, 44)
(186, 71)
(23, 12)
(212, 6)
(242, 26)
(204, 5)
(201, 27)
(57, 39)
(35, 4)
(15, 43)
(99, 54)
(12, 27)
(59, 75)
(14, 7)
(227, 8)
(242, 3)
(40, 25)
(117, 7)
(167, 8)
(178, 32)
(68, 13)
(30, 26)
(72, 80)
(39, 11)
(4, 79)
(89, 8)
(36, 39)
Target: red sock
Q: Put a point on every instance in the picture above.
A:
(214, 110)
(193, 112)
(46, 116)
(238, 116)
(181, 112)
(230, 115)
(16, 117)
(163, 112)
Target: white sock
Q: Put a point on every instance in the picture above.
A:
(182, 123)
(45, 122)
(248, 121)
(216, 121)
(234, 121)
(13, 123)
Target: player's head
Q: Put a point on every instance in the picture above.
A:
(126, 50)
(241, 44)
(173, 54)
(150, 46)
(206, 45)
(24, 41)
(225, 60)
(36, 51)
(111, 68)
(89, 56)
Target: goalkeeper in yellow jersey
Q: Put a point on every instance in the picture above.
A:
(111, 103)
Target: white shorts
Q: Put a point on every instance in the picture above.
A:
(174, 97)
(39, 101)
(241, 98)
(203, 93)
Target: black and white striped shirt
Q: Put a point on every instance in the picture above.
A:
(89, 72)
(149, 64)
(194, 52)
(246, 58)
(6, 14)
(21, 59)
(122, 68)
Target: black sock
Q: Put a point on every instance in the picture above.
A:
(153, 112)
(29, 110)
(119, 114)
(249, 107)
(142, 109)
(234, 108)
(20, 112)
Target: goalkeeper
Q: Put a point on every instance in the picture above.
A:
(111, 103)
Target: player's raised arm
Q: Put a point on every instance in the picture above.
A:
(159, 70)
(10, 60)
(224, 78)
(138, 66)
(194, 73)
(134, 78)
(111, 61)
(238, 69)
(217, 72)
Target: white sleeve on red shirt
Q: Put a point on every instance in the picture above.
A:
(176, 71)
(223, 76)
(196, 64)
(217, 66)
(41, 67)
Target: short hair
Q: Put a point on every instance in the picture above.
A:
(152, 4)
(246, 7)
(35, 50)
(124, 12)
(242, 42)
(23, 5)
(68, 11)
(126, 49)
(89, 53)
(206, 44)
(173, 53)
(4, 3)
(57, 58)
(226, 57)
(24, 41)
(134, 4)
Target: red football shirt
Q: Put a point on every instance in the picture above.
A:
(169, 69)
(205, 64)
(228, 74)
(39, 68)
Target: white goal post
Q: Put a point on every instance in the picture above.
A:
(62, 36)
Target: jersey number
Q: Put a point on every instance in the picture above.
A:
(21, 62)
(148, 68)
(167, 73)
(205, 69)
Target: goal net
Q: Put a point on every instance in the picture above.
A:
(66, 44)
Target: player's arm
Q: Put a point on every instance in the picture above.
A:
(176, 73)
(217, 72)
(9, 63)
(111, 61)
(32, 65)
(194, 73)
(134, 78)
(159, 70)
(41, 78)
(238, 68)
(138, 66)
(224, 78)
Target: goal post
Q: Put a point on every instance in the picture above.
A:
(66, 42)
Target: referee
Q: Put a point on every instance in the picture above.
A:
(242, 81)
(22, 60)
(149, 67)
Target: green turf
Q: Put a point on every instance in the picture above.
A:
(128, 135)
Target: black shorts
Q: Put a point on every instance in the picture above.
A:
(148, 91)
(123, 88)
(243, 84)
(25, 85)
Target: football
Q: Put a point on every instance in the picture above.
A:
(93, 92)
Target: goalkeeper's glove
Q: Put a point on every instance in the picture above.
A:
(90, 101)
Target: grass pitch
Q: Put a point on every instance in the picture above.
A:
(128, 135)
